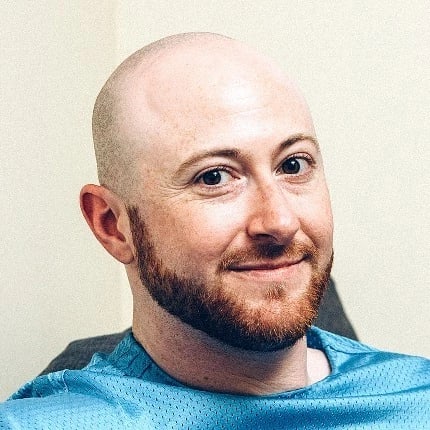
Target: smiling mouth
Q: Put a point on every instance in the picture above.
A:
(265, 266)
(259, 273)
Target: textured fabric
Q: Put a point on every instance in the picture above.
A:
(331, 317)
(127, 390)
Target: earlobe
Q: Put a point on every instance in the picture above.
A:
(106, 215)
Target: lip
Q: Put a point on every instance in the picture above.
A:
(264, 266)
(277, 271)
(259, 273)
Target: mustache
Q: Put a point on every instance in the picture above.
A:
(263, 252)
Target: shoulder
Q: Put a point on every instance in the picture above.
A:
(324, 340)
(66, 399)
(370, 368)
(76, 399)
(59, 411)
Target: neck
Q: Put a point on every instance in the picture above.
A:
(195, 359)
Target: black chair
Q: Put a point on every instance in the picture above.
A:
(78, 353)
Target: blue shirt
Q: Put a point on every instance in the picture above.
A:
(367, 389)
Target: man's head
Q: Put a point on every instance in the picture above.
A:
(213, 190)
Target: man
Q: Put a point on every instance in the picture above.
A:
(213, 196)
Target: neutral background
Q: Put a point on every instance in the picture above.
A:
(364, 67)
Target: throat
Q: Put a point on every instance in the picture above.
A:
(207, 364)
(198, 360)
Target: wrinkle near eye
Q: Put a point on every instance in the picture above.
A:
(171, 192)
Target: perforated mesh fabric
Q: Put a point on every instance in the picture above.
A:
(127, 390)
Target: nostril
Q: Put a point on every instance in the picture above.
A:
(272, 215)
(277, 230)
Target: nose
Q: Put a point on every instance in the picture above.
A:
(273, 216)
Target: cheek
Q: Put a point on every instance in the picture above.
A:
(317, 221)
(195, 234)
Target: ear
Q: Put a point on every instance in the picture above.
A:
(107, 217)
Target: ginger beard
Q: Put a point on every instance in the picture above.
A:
(219, 313)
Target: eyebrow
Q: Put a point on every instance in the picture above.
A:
(230, 153)
(236, 154)
(297, 138)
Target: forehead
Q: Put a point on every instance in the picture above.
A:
(192, 101)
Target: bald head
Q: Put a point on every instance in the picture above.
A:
(157, 87)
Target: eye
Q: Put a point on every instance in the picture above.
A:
(213, 177)
(295, 165)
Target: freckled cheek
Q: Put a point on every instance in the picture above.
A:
(198, 235)
(317, 222)
(211, 231)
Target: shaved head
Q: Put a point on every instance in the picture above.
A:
(155, 86)
(223, 214)
(114, 154)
